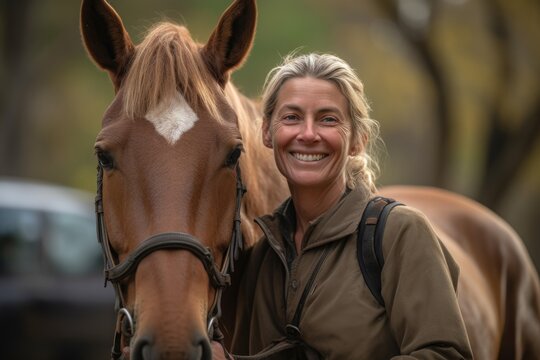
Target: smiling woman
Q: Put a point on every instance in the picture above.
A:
(316, 120)
(311, 134)
(316, 286)
(360, 165)
(304, 284)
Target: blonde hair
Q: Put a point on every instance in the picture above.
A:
(168, 61)
(365, 131)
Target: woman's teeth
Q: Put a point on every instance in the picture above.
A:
(308, 157)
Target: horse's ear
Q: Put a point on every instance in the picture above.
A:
(105, 38)
(231, 40)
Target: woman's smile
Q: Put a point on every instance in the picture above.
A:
(308, 157)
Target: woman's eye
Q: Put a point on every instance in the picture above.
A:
(329, 120)
(233, 157)
(105, 160)
(290, 117)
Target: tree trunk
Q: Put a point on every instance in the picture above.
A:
(15, 89)
(419, 39)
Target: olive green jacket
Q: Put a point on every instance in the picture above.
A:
(341, 319)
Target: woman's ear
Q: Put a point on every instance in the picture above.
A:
(357, 146)
(266, 134)
(355, 149)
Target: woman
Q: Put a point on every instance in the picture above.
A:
(316, 121)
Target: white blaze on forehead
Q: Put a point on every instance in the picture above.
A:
(173, 118)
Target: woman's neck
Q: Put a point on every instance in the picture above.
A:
(310, 203)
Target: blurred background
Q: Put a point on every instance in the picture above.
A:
(454, 84)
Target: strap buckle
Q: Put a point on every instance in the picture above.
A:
(293, 332)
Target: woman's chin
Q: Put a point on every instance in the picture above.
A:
(310, 180)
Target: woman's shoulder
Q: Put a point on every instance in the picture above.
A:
(407, 226)
(407, 215)
(410, 237)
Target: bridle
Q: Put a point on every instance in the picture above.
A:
(115, 273)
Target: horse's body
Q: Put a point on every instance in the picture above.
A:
(167, 147)
(498, 291)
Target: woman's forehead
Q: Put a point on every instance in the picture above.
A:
(313, 93)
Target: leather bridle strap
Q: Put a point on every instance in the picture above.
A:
(170, 240)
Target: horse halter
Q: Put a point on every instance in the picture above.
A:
(115, 273)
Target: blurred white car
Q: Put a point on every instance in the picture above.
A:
(53, 304)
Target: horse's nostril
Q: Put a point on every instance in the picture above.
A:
(142, 350)
(146, 352)
(206, 351)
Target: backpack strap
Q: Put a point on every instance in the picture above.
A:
(369, 242)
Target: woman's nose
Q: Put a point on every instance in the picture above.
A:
(308, 131)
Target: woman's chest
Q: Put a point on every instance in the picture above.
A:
(325, 297)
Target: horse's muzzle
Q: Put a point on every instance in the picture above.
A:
(198, 349)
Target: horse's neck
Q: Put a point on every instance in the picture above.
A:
(266, 187)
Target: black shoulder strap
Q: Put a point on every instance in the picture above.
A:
(369, 243)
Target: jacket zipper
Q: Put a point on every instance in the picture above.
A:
(272, 241)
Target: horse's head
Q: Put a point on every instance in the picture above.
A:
(168, 152)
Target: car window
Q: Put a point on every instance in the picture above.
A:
(71, 246)
(35, 242)
(20, 232)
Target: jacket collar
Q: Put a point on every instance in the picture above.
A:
(336, 223)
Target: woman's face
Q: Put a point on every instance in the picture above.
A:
(310, 132)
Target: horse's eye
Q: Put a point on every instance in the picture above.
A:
(233, 157)
(105, 160)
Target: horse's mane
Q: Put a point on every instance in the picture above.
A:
(168, 61)
(258, 168)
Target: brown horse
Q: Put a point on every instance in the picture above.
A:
(168, 149)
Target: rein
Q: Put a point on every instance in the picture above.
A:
(116, 273)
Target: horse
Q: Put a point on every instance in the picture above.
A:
(177, 146)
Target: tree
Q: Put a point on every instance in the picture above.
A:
(16, 84)
(508, 148)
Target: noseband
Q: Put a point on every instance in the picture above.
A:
(115, 273)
